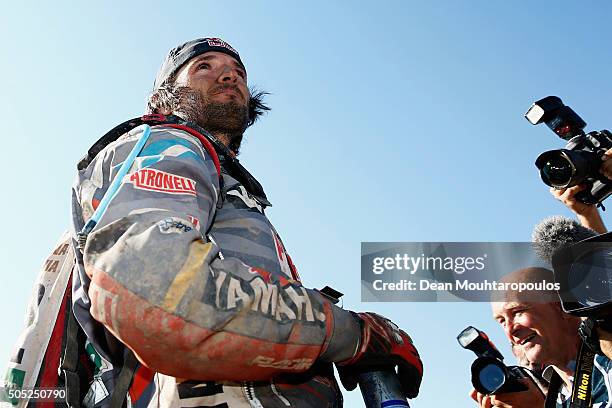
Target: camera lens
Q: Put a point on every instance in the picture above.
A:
(567, 168)
(491, 377)
(557, 171)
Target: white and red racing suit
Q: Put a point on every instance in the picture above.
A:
(194, 279)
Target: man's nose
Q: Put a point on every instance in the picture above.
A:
(228, 75)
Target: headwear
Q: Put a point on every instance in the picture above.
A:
(179, 56)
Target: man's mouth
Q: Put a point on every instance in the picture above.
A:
(230, 91)
(525, 340)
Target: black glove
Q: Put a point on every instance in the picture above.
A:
(383, 346)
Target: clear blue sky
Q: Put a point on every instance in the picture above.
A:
(390, 121)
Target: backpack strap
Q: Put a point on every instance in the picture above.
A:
(70, 360)
(220, 154)
(210, 143)
(69, 368)
(124, 379)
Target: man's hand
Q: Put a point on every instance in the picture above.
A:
(533, 397)
(567, 197)
(383, 346)
(606, 166)
(588, 215)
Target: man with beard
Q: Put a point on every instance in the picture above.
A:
(544, 339)
(184, 289)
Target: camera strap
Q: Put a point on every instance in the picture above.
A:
(583, 378)
(554, 386)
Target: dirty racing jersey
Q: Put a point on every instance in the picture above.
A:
(196, 281)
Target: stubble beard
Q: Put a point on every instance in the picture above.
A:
(226, 121)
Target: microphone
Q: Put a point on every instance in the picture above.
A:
(553, 233)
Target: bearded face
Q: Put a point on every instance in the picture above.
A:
(227, 118)
(211, 90)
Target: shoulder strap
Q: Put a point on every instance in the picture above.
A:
(69, 369)
(70, 360)
(553, 390)
(220, 154)
(583, 378)
(124, 380)
(208, 141)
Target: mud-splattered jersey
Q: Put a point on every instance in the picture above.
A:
(197, 283)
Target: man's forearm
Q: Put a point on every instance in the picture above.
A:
(592, 219)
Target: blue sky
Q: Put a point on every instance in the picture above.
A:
(392, 121)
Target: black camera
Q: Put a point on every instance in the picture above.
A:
(580, 161)
(489, 373)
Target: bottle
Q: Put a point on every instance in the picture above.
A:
(382, 389)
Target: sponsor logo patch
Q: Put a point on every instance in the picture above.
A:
(217, 42)
(156, 180)
(173, 225)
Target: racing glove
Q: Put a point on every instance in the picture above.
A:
(383, 346)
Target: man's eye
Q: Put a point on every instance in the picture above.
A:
(241, 73)
(204, 65)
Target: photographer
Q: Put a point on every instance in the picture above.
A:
(574, 173)
(543, 338)
(586, 265)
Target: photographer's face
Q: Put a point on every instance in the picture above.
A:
(539, 332)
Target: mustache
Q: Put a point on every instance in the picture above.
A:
(220, 88)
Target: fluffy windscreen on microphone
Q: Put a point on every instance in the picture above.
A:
(555, 232)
